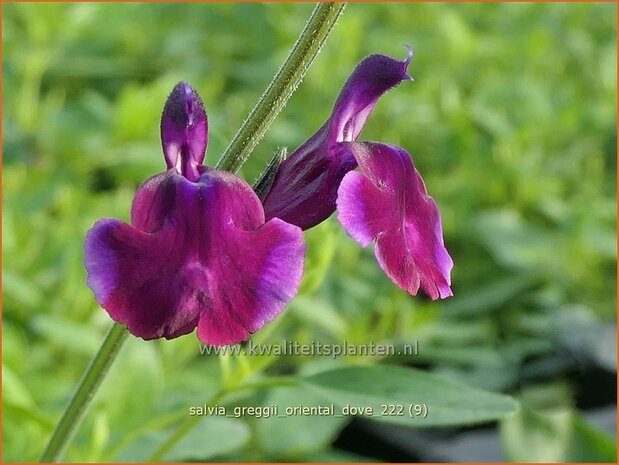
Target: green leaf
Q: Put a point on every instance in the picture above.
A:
(13, 389)
(319, 313)
(491, 297)
(337, 456)
(212, 436)
(558, 435)
(140, 449)
(588, 444)
(24, 291)
(17, 400)
(75, 336)
(132, 392)
(292, 436)
(461, 355)
(489, 378)
(321, 242)
(447, 402)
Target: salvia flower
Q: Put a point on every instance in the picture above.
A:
(305, 187)
(198, 252)
(385, 202)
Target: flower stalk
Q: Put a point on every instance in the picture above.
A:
(282, 86)
(285, 82)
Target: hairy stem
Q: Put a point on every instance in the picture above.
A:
(282, 86)
(284, 83)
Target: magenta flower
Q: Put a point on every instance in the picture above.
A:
(305, 187)
(386, 202)
(199, 252)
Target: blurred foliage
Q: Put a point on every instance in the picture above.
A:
(511, 120)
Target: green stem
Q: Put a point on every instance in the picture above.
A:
(270, 104)
(280, 89)
(82, 398)
(267, 383)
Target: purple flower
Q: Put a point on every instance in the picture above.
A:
(386, 202)
(305, 187)
(198, 252)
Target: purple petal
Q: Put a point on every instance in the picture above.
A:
(374, 76)
(388, 202)
(153, 200)
(184, 131)
(141, 279)
(207, 257)
(305, 187)
(261, 271)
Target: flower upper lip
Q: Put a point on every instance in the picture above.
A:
(184, 131)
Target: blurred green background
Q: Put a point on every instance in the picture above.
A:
(512, 122)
